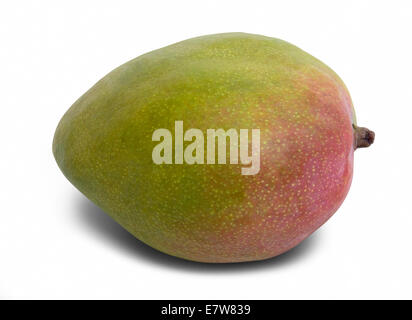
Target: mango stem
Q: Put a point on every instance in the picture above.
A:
(363, 137)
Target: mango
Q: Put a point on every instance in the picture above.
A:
(222, 148)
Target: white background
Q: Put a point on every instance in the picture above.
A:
(55, 244)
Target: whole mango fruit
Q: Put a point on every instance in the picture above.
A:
(222, 148)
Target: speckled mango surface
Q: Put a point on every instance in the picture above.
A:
(212, 213)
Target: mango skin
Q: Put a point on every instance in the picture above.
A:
(212, 213)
